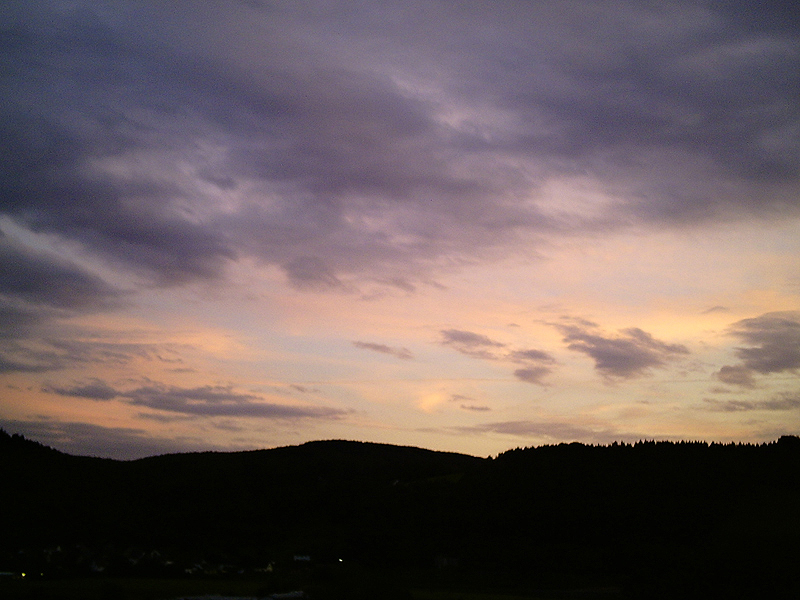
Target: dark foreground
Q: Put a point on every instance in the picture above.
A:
(362, 521)
(180, 589)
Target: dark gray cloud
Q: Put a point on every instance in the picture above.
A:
(538, 363)
(403, 353)
(532, 374)
(310, 272)
(782, 402)
(217, 401)
(472, 344)
(16, 356)
(373, 142)
(531, 356)
(206, 401)
(624, 356)
(94, 389)
(475, 407)
(467, 403)
(736, 375)
(54, 354)
(17, 321)
(12, 365)
(38, 279)
(773, 341)
(35, 289)
(716, 309)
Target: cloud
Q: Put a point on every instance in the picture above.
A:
(215, 401)
(472, 344)
(531, 355)
(475, 408)
(403, 353)
(624, 356)
(538, 363)
(10, 365)
(18, 357)
(716, 309)
(775, 341)
(773, 347)
(205, 401)
(55, 354)
(310, 272)
(783, 402)
(736, 375)
(471, 406)
(39, 279)
(133, 131)
(36, 288)
(94, 389)
(532, 374)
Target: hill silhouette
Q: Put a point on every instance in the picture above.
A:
(652, 519)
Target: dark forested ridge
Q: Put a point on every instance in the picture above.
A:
(644, 519)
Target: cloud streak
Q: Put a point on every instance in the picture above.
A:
(205, 401)
(471, 344)
(401, 353)
(784, 402)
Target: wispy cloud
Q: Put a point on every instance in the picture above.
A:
(403, 353)
(736, 375)
(42, 280)
(532, 374)
(783, 402)
(94, 389)
(206, 401)
(472, 344)
(538, 363)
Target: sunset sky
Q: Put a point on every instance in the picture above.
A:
(461, 225)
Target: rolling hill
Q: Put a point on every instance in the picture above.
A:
(647, 519)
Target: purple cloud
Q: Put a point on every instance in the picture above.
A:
(206, 401)
(471, 344)
(783, 402)
(624, 356)
(773, 347)
(402, 353)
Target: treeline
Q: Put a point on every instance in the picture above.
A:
(651, 518)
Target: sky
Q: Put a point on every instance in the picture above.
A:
(464, 225)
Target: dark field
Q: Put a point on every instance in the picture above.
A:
(170, 589)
